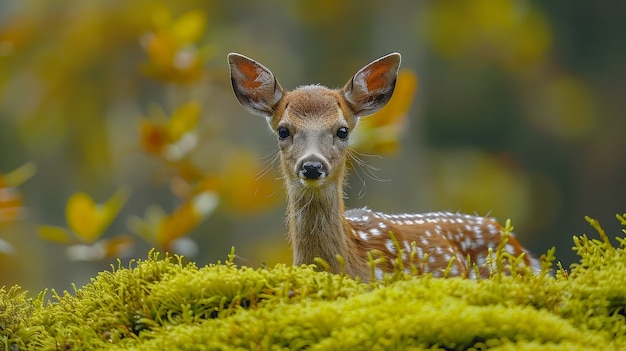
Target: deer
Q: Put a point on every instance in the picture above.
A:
(313, 125)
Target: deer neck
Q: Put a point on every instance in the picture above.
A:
(317, 227)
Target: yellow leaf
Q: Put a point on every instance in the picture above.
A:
(183, 120)
(186, 217)
(112, 207)
(177, 225)
(161, 48)
(189, 27)
(20, 175)
(55, 234)
(149, 226)
(82, 217)
(87, 220)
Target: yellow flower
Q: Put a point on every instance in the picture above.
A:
(86, 219)
(174, 138)
(89, 220)
(183, 120)
(11, 204)
(153, 137)
(163, 230)
(173, 56)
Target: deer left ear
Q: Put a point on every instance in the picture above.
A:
(371, 87)
(254, 85)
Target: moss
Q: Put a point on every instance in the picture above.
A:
(20, 324)
(163, 303)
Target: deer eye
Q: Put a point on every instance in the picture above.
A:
(342, 133)
(283, 133)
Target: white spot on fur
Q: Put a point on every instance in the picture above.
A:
(407, 246)
(493, 229)
(454, 271)
(510, 249)
(390, 246)
(466, 244)
(363, 235)
(481, 260)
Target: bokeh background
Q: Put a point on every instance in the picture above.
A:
(119, 131)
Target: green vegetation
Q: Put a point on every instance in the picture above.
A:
(163, 303)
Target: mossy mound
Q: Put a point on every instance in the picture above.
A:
(164, 304)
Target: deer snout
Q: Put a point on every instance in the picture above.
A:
(312, 169)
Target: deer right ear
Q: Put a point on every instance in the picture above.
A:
(371, 87)
(254, 85)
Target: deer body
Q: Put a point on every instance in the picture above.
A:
(313, 124)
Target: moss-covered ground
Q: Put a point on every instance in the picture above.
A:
(163, 303)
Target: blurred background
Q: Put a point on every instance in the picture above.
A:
(119, 131)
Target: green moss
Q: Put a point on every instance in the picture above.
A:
(162, 303)
(20, 324)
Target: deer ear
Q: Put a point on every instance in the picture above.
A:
(371, 87)
(255, 86)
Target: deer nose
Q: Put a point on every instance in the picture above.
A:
(312, 170)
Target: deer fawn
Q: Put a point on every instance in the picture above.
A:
(313, 125)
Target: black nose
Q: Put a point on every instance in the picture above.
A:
(312, 170)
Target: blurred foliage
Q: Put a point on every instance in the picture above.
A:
(173, 57)
(11, 201)
(88, 221)
(515, 116)
(513, 34)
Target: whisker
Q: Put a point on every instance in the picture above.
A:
(271, 157)
(358, 163)
(367, 168)
(269, 165)
(268, 162)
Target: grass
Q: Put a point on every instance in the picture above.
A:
(164, 303)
